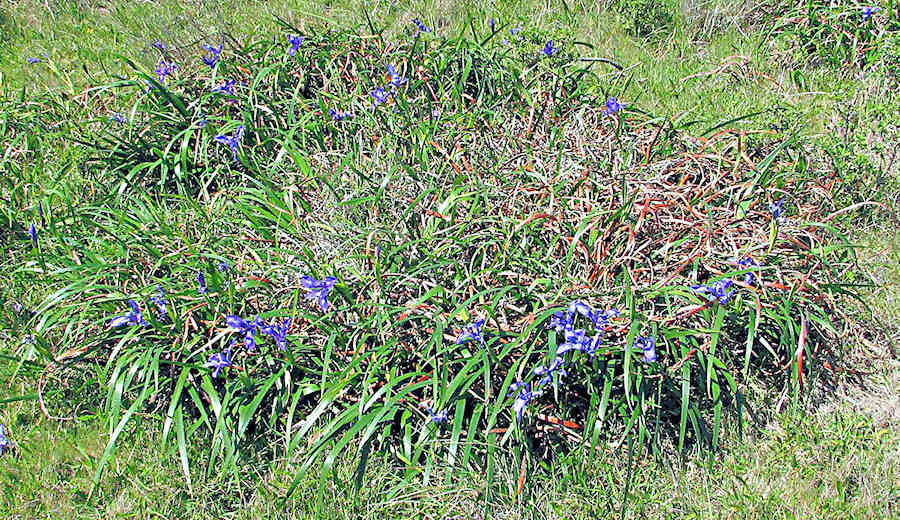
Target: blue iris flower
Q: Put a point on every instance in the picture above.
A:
(132, 317)
(201, 283)
(868, 11)
(295, 42)
(718, 290)
(5, 443)
(777, 210)
(222, 266)
(420, 26)
(525, 396)
(164, 69)
(159, 300)
(117, 118)
(318, 289)
(226, 88)
(575, 339)
(232, 142)
(219, 362)
(33, 60)
(437, 418)
(338, 115)
(212, 56)
(612, 106)
(379, 95)
(547, 372)
(515, 30)
(648, 346)
(748, 263)
(32, 232)
(278, 332)
(247, 328)
(549, 49)
(471, 332)
(491, 24)
(395, 79)
(159, 44)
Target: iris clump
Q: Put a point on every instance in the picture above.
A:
(132, 317)
(318, 289)
(233, 141)
(212, 55)
(471, 332)
(720, 290)
(294, 42)
(219, 361)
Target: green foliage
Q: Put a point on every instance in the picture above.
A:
(644, 18)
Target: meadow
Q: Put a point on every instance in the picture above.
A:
(630, 259)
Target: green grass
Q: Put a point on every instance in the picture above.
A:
(515, 199)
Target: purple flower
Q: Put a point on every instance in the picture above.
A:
(5, 443)
(278, 332)
(515, 30)
(339, 116)
(472, 332)
(777, 210)
(437, 418)
(379, 95)
(201, 283)
(159, 300)
(226, 88)
(559, 321)
(32, 232)
(395, 79)
(867, 12)
(318, 290)
(420, 26)
(212, 57)
(575, 339)
(612, 106)
(202, 122)
(33, 60)
(222, 266)
(117, 118)
(525, 396)
(159, 45)
(491, 24)
(219, 361)
(295, 42)
(717, 290)
(547, 372)
(748, 263)
(549, 49)
(132, 317)
(164, 69)
(648, 345)
(247, 328)
(232, 142)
